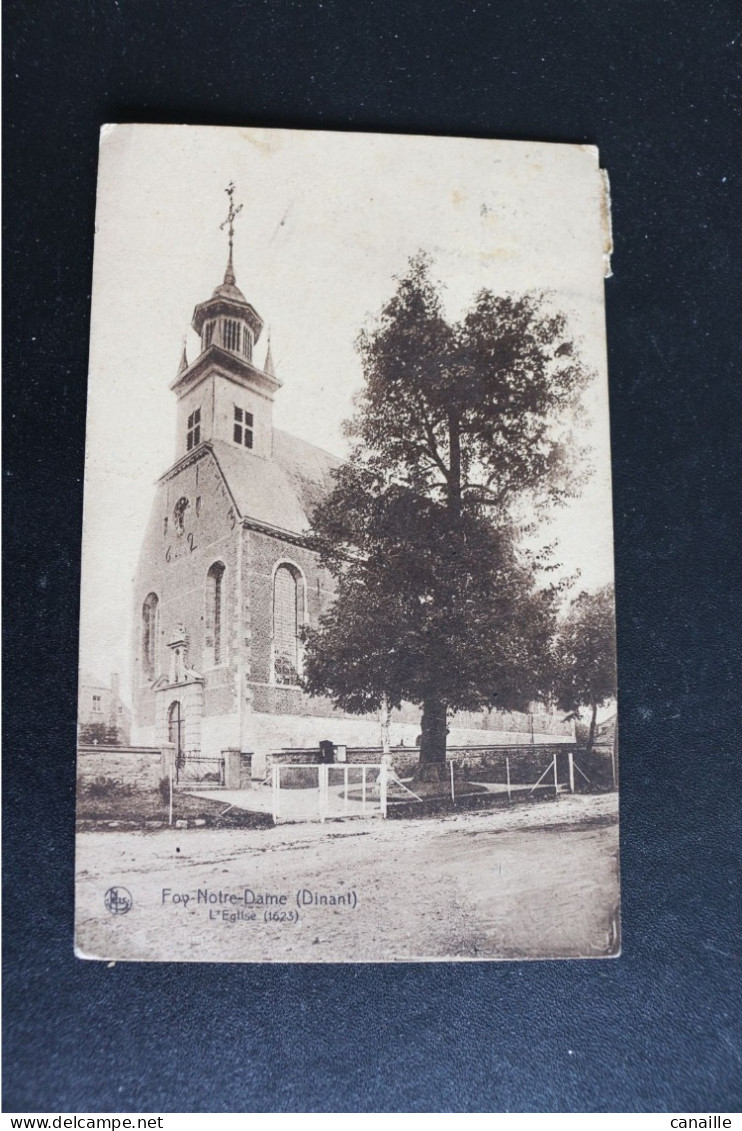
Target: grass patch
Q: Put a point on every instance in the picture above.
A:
(434, 790)
(425, 790)
(135, 808)
(441, 805)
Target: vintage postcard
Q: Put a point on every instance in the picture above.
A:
(347, 660)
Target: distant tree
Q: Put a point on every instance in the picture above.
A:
(585, 656)
(457, 426)
(99, 734)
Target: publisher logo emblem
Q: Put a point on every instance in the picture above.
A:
(118, 900)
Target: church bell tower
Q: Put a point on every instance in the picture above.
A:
(223, 395)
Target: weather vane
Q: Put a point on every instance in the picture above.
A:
(231, 215)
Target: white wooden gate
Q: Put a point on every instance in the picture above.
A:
(318, 792)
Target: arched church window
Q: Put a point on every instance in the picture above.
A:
(150, 631)
(208, 334)
(288, 611)
(179, 513)
(247, 343)
(215, 611)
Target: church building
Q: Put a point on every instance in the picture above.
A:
(226, 579)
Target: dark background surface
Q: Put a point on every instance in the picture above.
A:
(655, 84)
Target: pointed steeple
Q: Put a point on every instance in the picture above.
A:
(227, 321)
(183, 357)
(232, 214)
(229, 275)
(268, 366)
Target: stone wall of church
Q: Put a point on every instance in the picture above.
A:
(219, 733)
(174, 565)
(266, 553)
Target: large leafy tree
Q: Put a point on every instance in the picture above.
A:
(585, 668)
(458, 425)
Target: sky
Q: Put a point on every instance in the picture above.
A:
(328, 221)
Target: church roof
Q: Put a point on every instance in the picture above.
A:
(230, 291)
(282, 491)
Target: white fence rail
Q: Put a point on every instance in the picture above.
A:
(320, 792)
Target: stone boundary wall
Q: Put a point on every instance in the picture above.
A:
(141, 766)
(600, 766)
(527, 761)
(290, 758)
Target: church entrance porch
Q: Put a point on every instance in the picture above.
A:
(191, 768)
(179, 707)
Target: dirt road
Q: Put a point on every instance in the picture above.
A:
(532, 881)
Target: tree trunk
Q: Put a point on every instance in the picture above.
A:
(591, 732)
(384, 719)
(432, 765)
(454, 471)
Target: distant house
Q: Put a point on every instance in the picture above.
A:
(605, 732)
(103, 719)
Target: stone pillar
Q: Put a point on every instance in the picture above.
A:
(232, 758)
(246, 771)
(261, 763)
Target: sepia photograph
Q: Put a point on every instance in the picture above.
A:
(347, 677)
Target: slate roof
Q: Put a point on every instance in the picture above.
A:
(282, 491)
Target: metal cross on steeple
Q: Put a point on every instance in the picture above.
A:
(231, 217)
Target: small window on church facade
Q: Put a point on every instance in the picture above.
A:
(232, 334)
(97, 704)
(287, 620)
(208, 334)
(193, 434)
(179, 513)
(215, 612)
(243, 427)
(150, 630)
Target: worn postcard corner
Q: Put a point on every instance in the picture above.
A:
(347, 681)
